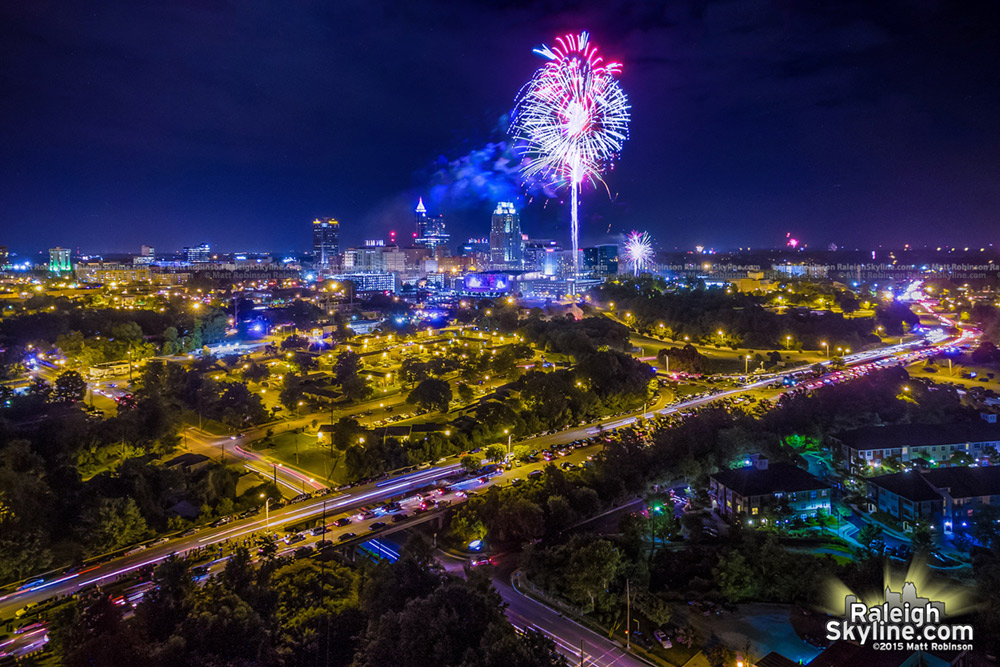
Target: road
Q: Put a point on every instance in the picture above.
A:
(334, 505)
(569, 636)
(525, 613)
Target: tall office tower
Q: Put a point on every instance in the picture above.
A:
(198, 253)
(326, 240)
(430, 232)
(147, 251)
(4, 256)
(601, 261)
(506, 243)
(59, 260)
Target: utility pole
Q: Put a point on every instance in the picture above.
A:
(582, 654)
(628, 618)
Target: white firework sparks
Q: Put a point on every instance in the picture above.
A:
(571, 119)
(638, 251)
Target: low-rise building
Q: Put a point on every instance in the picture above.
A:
(103, 272)
(944, 497)
(760, 487)
(867, 447)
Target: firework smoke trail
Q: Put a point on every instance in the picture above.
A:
(571, 120)
(638, 251)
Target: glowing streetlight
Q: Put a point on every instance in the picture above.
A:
(267, 514)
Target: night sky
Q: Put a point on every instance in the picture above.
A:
(237, 123)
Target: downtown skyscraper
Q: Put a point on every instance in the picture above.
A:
(506, 243)
(326, 240)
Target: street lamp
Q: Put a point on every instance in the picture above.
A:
(267, 514)
(788, 342)
(746, 365)
(509, 436)
(827, 346)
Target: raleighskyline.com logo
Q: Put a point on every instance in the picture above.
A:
(903, 622)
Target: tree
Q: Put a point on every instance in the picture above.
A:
(922, 541)
(431, 394)
(470, 463)
(868, 535)
(985, 353)
(356, 388)
(305, 361)
(347, 366)
(113, 523)
(653, 607)
(70, 386)
(735, 577)
(292, 391)
(985, 527)
(256, 372)
(40, 388)
(495, 453)
(412, 370)
(171, 341)
(591, 568)
(519, 520)
(684, 359)
(465, 393)
(238, 406)
(346, 432)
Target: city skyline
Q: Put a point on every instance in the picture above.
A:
(826, 123)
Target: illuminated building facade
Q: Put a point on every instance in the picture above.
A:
(430, 232)
(506, 243)
(601, 261)
(326, 240)
(198, 254)
(59, 260)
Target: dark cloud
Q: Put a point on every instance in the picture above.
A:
(176, 122)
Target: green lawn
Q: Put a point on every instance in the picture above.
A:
(302, 451)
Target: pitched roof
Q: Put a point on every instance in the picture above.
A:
(919, 435)
(775, 659)
(963, 482)
(846, 654)
(910, 485)
(959, 481)
(777, 477)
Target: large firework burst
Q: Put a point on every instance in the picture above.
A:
(571, 119)
(638, 251)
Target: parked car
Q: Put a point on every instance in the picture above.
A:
(662, 637)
